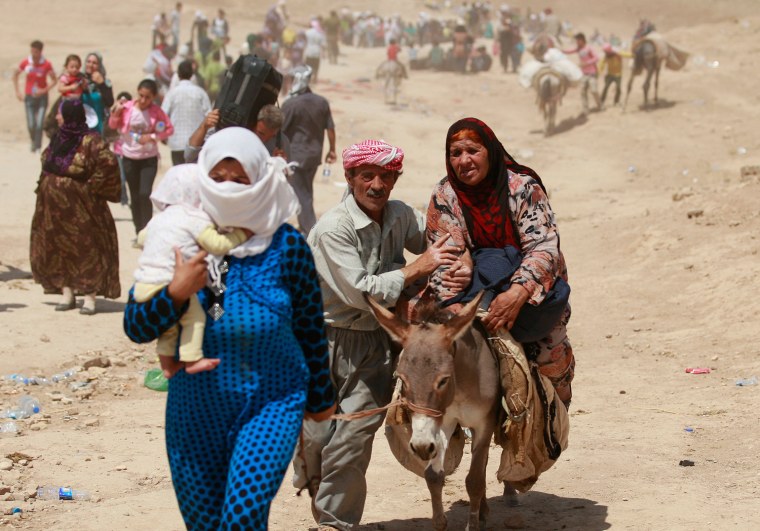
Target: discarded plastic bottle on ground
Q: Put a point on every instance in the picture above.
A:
(8, 427)
(18, 378)
(50, 492)
(326, 171)
(741, 382)
(65, 375)
(27, 406)
(155, 379)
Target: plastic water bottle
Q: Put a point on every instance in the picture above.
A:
(8, 427)
(50, 492)
(27, 406)
(135, 136)
(743, 382)
(326, 171)
(65, 375)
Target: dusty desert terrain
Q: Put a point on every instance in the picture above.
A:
(659, 229)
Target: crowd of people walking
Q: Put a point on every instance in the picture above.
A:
(263, 327)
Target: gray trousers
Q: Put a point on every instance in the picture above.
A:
(362, 370)
(302, 182)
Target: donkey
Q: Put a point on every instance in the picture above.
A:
(392, 72)
(448, 377)
(551, 86)
(645, 58)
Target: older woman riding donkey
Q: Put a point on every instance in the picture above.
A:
(499, 212)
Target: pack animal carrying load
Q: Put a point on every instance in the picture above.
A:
(674, 58)
(249, 84)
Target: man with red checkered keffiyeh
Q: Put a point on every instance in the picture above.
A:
(358, 248)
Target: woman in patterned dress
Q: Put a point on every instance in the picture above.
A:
(487, 200)
(231, 432)
(73, 248)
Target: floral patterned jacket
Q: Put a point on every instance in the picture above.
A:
(529, 206)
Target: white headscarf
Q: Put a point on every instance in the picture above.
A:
(262, 206)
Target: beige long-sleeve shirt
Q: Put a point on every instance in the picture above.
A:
(354, 255)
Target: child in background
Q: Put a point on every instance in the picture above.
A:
(122, 98)
(180, 228)
(612, 67)
(71, 83)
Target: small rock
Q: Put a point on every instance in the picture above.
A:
(72, 411)
(86, 392)
(101, 457)
(714, 358)
(686, 462)
(23, 462)
(5, 489)
(66, 400)
(93, 373)
(6, 464)
(695, 214)
(622, 392)
(55, 397)
(101, 362)
(516, 521)
(608, 336)
(92, 422)
(120, 468)
(88, 459)
(44, 338)
(30, 493)
(117, 362)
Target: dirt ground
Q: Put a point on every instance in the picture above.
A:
(659, 229)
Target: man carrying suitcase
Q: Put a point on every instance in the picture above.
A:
(306, 118)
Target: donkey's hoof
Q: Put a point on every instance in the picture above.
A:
(510, 495)
(440, 523)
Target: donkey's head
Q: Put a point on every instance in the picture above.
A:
(426, 368)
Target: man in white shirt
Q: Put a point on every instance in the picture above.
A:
(187, 106)
(174, 20)
(315, 43)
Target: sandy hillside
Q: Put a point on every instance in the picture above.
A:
(659, 229)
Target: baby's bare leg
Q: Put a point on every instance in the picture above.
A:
(203, 364)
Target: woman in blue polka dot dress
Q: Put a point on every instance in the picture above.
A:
(230, 432)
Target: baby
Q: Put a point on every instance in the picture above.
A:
(180, 223)
(71, 82)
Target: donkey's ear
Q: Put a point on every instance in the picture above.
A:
(398, 329)
(459, 324)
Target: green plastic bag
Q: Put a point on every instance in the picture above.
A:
(155, 379)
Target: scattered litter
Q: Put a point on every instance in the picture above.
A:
(714, 64)
(8, 427)
(741, 150)
(698, 370)
(155, 379)
(631, 169)
(688, 429)
(61, 493)
(686, 462)
(743, 382)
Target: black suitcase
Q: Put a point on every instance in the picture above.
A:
(249, 84)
